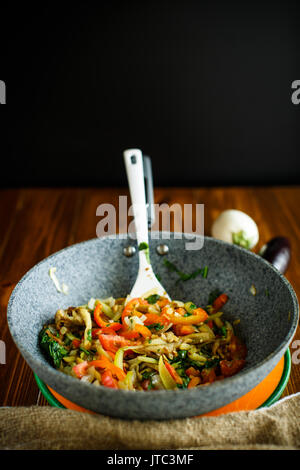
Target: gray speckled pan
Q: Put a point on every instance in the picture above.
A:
(98, 268)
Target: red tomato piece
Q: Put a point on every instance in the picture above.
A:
(113, 342)
(107, 379)
(229, 368)
(76, 343)
(81, 369)
(208, 376)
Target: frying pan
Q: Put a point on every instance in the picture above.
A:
(98, 268)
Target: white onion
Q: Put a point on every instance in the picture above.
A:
(236, 224)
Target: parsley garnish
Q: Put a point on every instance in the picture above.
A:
(186, 276)
(182, 353)
(85, 350)
(211, 363)
(145, 247)
(223, 331)
(89, 335)
(156, 326)
(152, 299)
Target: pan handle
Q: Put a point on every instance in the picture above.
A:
(134, 165)
(149, 189)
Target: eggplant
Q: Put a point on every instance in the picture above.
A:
(278, 252)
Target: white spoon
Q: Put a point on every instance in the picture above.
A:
(146, 283)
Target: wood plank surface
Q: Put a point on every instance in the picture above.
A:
(38, 222)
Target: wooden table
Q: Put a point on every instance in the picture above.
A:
(38, 222)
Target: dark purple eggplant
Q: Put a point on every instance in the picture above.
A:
(278, 252)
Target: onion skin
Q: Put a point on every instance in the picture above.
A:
(278, 252)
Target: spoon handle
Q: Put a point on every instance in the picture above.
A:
(133, 159)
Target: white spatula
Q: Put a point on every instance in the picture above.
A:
(146, 282)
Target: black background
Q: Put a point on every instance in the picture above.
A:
(204, 88)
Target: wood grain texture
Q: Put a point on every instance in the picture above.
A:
(38, 222)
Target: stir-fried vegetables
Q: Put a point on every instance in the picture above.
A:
(144, 344)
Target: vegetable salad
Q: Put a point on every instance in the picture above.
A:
(146, 344)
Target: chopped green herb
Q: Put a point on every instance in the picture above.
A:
(152, 299)
(185, 382)
(205, 272)
(182, 353)
(89, 335)
(150, 386)
(189, 307)
(212, 363)
(223, 331)
(186, 276)
(147, 374)
(145, 247)
(84, 350)
(156, 326)
(187, 314)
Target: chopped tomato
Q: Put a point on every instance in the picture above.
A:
(145, 384)
(95, 332)
(76, 343)
(194, 382)
(219, 302)
(81, 369)
(173, 373)
(237, 349)
(193, 372)
(229, 368)
(107, 379)
(208, 375)
(112, 328)
(113, 342)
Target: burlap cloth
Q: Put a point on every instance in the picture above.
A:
(276, 427)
